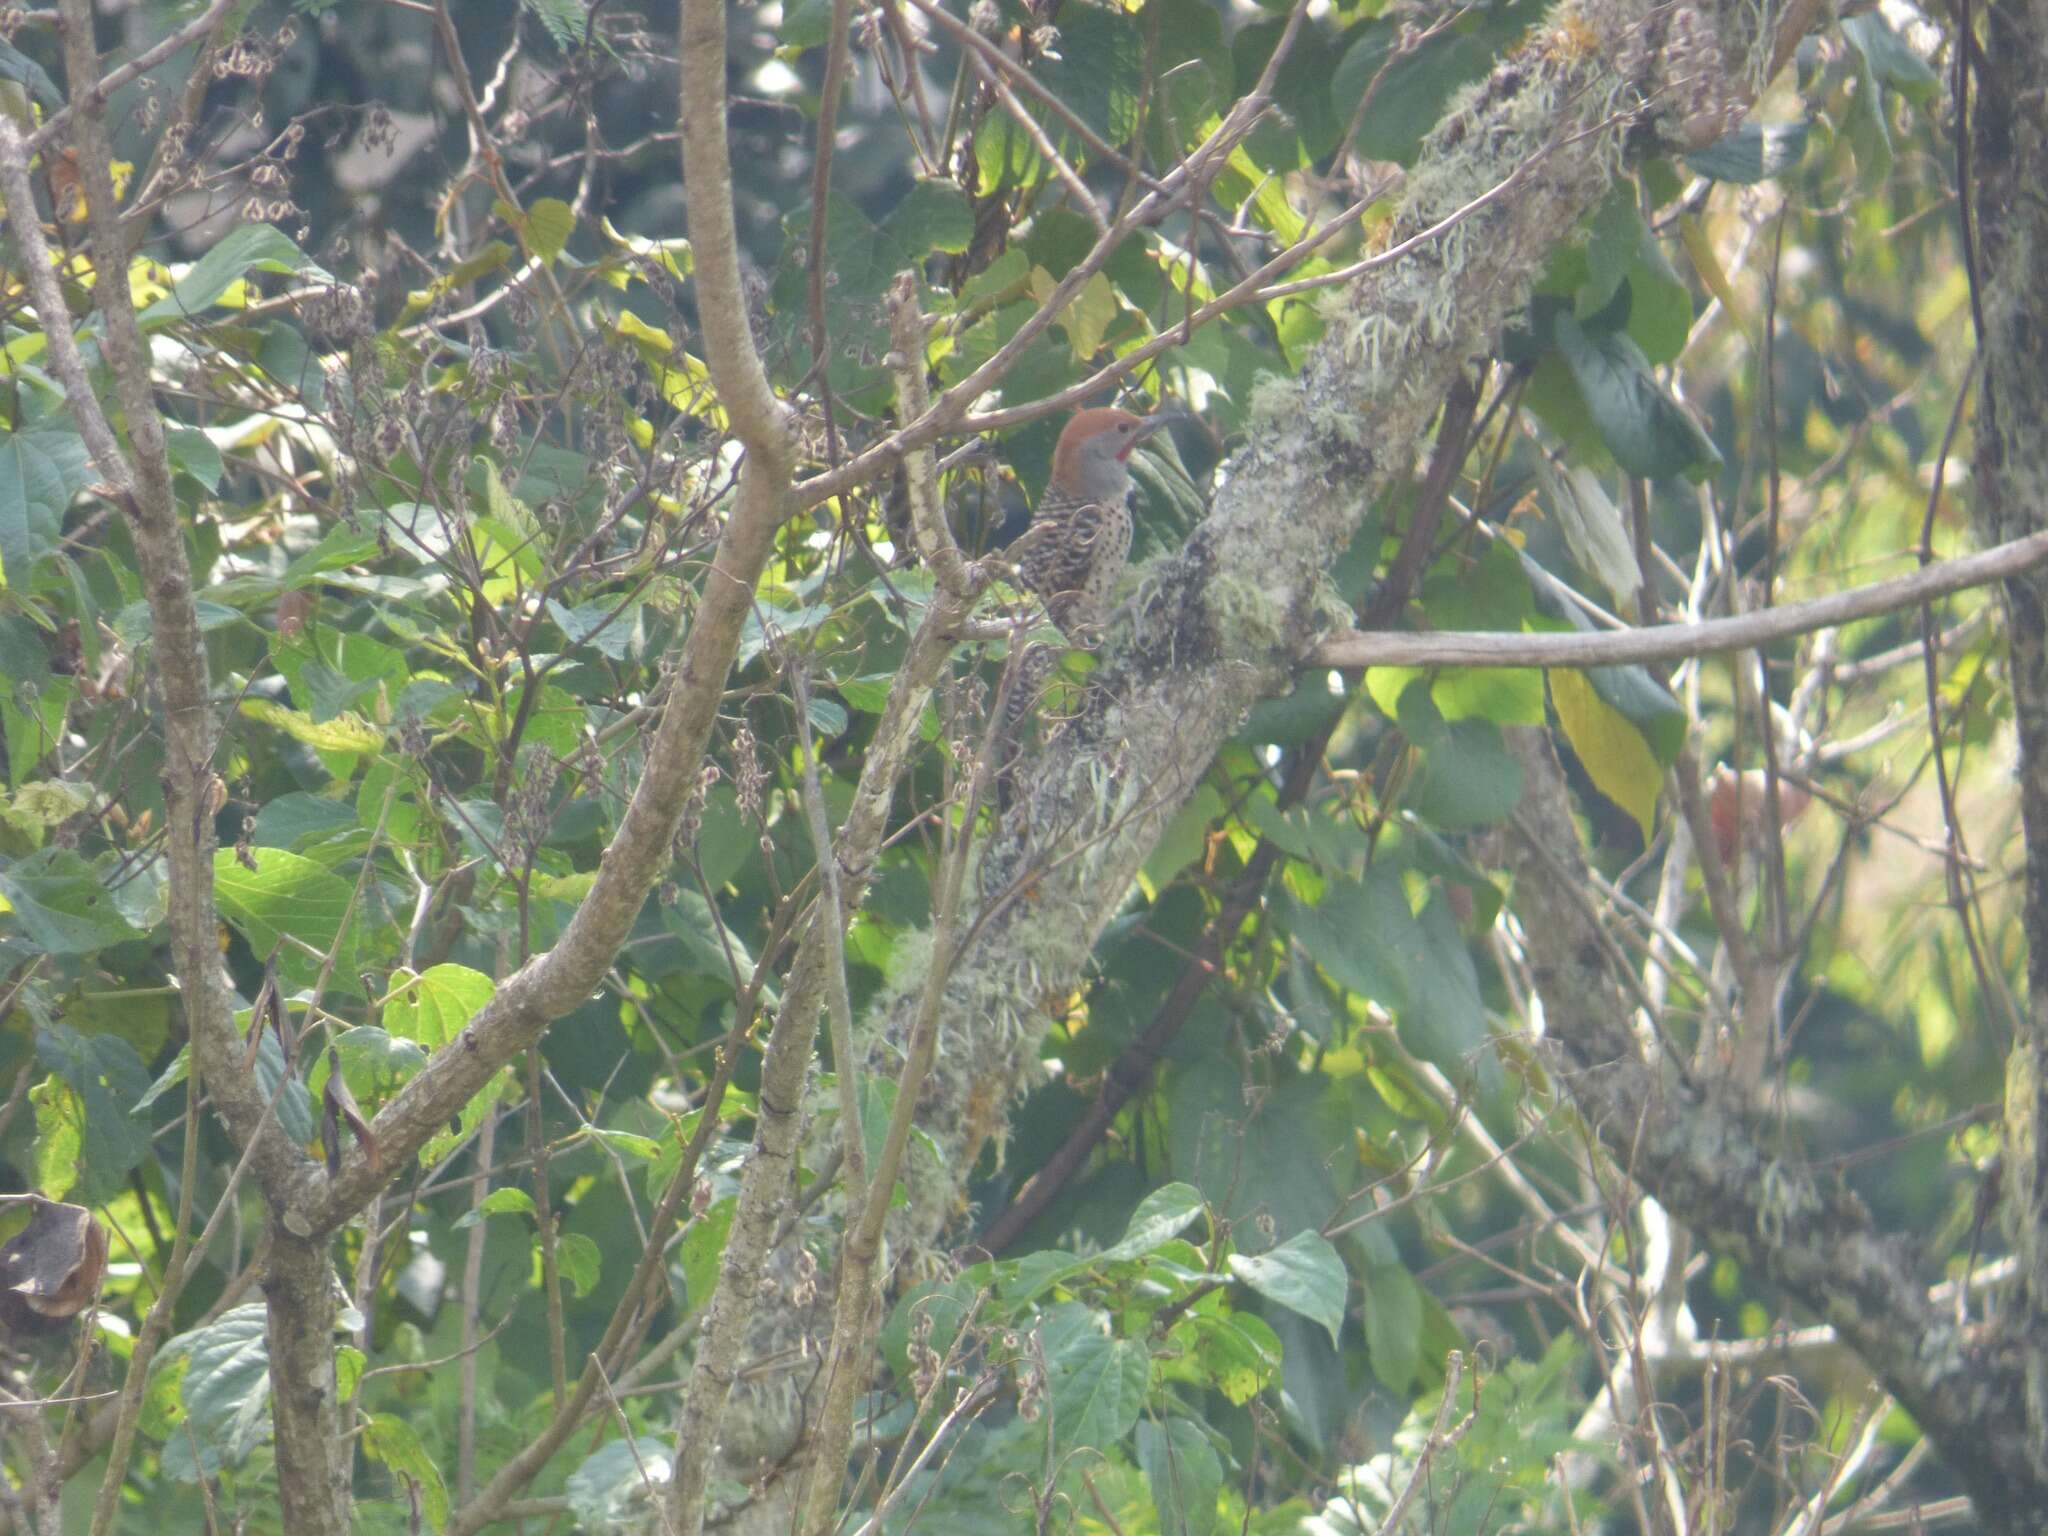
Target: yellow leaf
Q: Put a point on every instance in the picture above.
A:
(683, 380)
(1613, 752)
(672, 254)
(346, 732)
(1089, 317)
(1707, 263)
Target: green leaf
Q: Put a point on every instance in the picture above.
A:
(1614, 236)
(1753, 152)
(1304, 1274)
(1647, 431)
(1162, 1214)
(226, 1388)
(434, 1007)
(1364, 935)
(1264, 1161)
(461, 275)
(59, 902)
(864, 255)
(1239, 1353)
(108, 1079)
(703, 1248)
(1184, 838)
(827, 716)
(41, 470)
(1445, 1021)
(610, 628)
(394, 1441)
(192, 452)
(1184, 1473)
(1468, 778)
(1410, 99)
(1098, 70)
(288, 894)
(296, 819)
(344, 732)
(1891, 60)
(506, 1201)
(1660, 311)
(579, 1260)
(247, 248)
(1097, 1382)
(285, 356)
(349, 1364)
(23, 70)
(549, 224)
(1393, 1326)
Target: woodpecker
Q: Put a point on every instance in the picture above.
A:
(1080, 533)
(1074, 551)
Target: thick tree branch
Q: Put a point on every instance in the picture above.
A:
(2007, 143)
(1225, 621)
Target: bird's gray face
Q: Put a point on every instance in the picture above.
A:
(1107, 455)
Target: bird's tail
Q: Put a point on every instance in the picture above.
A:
(1027, 689)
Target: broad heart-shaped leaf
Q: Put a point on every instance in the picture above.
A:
(1097, 1382)
(1160, 1215)
(437, 1004)
(248, 248)
(1184, 1473)
(1304, 1274)
(1098, 69)
(59, 902)
(612, 1485)
(547, 227)
(1468, 777)
(1393, 1326)
(1364, 934)
(1611, 750)
(1257, 1161)
(288, 895)
(1643, 427)
(225, 1390)
(1753, 152)
(1412, 95)
(1419, 969)
(40, 471)
(862, 259)
(109, 1079)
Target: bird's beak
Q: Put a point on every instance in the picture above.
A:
(1157, 422)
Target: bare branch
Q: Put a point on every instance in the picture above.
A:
(94, 96)
(1676, 642)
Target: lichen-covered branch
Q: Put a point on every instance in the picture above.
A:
(1706, 1168)
(1224, 622)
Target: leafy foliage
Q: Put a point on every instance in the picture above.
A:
(451, 514)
